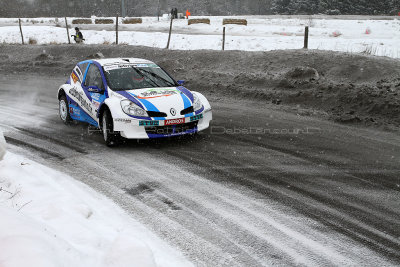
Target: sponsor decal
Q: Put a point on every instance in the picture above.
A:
(96, 96)
(112, 67)
(127, 65)
(80, 99)
(149, 123)
(74, 111)
(196, 118)
(174, 121)
(141, 65)
(78, 71)
(96, 104)
(154, 93)
(74, 77)
(124, 66)
(123, 120)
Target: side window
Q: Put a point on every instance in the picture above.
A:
(93, 77)
(83, 67)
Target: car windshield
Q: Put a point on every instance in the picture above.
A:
(137, 76)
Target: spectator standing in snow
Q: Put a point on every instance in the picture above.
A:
(187, 14)
(78, 37)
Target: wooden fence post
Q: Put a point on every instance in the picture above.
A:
(223, 39)
(66, 26)
(116, 30)
(306, 38)
(20, 29)
(170, 31)
(158, 10)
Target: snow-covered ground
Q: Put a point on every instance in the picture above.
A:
(2, 145)
(49, 219)
(375, 37)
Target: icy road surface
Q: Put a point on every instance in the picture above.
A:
(328, 195)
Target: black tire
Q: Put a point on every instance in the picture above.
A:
(110, 137)
(63, 109)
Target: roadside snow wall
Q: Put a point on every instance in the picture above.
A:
(2, 145)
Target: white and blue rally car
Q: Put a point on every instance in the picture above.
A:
(131, 98)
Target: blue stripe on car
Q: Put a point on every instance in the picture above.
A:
(83, 86)
(186, 103)
(149, 106)
(186, 92)
(200, 110)
(130, 97)
(103, 77)
(86, 71)
(134, 100)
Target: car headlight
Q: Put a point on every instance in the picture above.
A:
(131, 108)
(196, 103)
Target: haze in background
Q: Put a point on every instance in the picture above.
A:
(87, 8)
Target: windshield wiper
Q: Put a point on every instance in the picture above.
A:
(156, 76)
(139, 71)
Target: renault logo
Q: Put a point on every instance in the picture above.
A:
(173, 111)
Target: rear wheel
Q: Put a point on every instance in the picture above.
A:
(110, 137)
(64, 110)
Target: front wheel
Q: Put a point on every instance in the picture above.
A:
(110, 137)
(64, 110)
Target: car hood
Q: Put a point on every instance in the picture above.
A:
(161, 99)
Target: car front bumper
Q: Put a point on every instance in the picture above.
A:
(138, 129)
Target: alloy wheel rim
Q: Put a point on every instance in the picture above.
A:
(63, 110)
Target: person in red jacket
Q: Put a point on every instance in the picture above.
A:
(187, 14)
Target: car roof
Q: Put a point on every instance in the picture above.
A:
(108, 61)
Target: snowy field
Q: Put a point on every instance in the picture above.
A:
(379, 37)
(53, 220)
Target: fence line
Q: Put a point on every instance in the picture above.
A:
(306, 38)
(223, 39)
(170, 31)
(116, 30)
(139, 20)
(66, 26)
(20, 29)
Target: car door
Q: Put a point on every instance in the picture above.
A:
(94, 88)
(79, 105)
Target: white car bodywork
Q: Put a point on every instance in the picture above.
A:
(86, 105)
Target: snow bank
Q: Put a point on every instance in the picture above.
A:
(2, 145)
(49, 219)
(376, 37)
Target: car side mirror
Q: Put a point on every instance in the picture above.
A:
(181, 82)
(94, 89)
